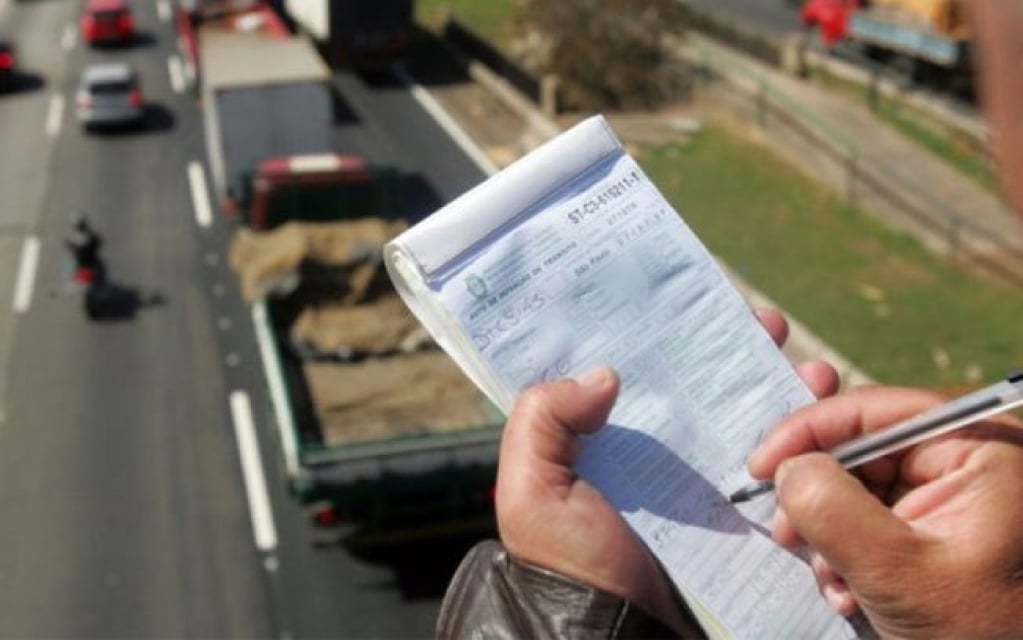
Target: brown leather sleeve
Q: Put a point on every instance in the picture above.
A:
(494, 595)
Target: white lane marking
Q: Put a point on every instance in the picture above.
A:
(26, 274)
(54, 115)
(461, 138)
(67, 38)
(177, 75)
(263, 529)
(163, 10)
(200, 196)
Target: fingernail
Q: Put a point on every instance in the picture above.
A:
(596, 378)
(783, 470)
(753, 457)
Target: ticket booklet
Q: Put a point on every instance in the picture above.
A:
(571, 258)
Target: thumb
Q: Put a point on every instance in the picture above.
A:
(835, 514)
(547, 419)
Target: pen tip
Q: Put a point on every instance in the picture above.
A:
(749, 492)
(742, 495)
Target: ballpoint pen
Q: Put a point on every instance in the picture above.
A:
(963, 411)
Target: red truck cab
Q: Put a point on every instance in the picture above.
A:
(831, 16)
(315, 187)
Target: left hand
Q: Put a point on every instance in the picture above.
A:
(550, 517)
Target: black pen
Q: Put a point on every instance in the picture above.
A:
(963, 411)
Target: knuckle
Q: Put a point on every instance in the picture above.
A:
(535, 400)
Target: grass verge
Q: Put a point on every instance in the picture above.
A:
(894, 309)
(492, 19)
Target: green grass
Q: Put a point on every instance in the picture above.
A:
(490, 18)
(916, 128)
(875, 295)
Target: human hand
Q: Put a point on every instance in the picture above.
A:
(926, 542)
(550, 517)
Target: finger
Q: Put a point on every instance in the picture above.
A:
(877, 480)
(784, 533)
(936, 458)
(935, 472)
(832, 587)
(820, 376)
(832, 421)
(857, 535)
(775, 324)
(840, 598)
(823, 571)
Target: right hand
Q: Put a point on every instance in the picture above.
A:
(928, 542)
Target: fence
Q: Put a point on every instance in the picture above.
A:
(478, 48)
(875, 184)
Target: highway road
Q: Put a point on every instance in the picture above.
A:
(140, 489)
(772, 17)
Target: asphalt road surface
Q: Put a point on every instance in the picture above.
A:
(124, 507)
(773, 17)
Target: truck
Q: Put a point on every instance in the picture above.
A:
(264, 97)
(269, 119)
(929, 38)
(383, 439)
(362, 34)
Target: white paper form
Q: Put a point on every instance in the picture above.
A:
(605, 272)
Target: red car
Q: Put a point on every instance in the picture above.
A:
(107, 21)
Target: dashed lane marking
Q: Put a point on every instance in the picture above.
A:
(68, 37)
(163, 10)
(176, 73)
(200, 196)
(54, 115)
(263, 529)
(26, 275)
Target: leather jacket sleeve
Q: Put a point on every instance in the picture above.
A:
(494, 595)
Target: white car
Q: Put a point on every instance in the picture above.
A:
(108, 95)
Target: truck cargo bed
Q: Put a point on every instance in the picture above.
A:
(412, 394)
(360, 369)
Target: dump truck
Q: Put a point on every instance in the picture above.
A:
(384, 440)
(363, 34)
(929, 38)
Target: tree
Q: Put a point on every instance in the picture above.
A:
(608, 54)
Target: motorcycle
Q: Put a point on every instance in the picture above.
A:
(88, 276)
(102, 299)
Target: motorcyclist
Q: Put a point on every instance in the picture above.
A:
(84, 244)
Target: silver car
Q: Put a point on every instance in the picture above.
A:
(109, 94)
